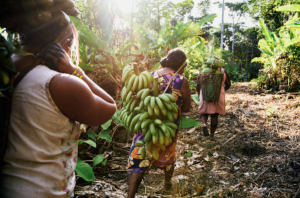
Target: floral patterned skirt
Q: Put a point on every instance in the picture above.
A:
(137, 164)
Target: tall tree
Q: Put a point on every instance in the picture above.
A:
(222, 26)
(236, 11)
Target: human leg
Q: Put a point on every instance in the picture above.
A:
(168, 177)
(134, 183)
(213, 125)
(204, 118)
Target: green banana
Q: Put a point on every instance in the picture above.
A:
(140, 143)
(156, 110)
(140, 83)
(152, 129)
(137, 127)
(149, 76)
(171, 97)
(144, 130)
(126, 75)
(152, 102)
(148, 137)
(167, 141)
(164, 98)
(134, 121)
(175, 107)
(144, 116)
(135, 84)
(174, 115)
(139, 93)
(128, 96)
(122, 93)
(145, 93)
(164, 112)
(146, 122)
(130, 82)
(145, 82)
(133, 104)
(147, 100)
(143, 152)
(154, 139)
(137, 109)
(129, 119)
(157, 121)
(163, 127)
(150, 111)
(155, 153)
(168, 106)
(170, 124)
(170, 117)
(141, 105)
(159, 103)
(171, 131)
(161, 138)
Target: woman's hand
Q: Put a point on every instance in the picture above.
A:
(56, 58)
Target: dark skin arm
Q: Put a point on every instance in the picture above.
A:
(186, 94)
(79, 99)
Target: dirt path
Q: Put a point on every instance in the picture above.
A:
(256, 154)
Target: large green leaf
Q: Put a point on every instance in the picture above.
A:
(104, 135)
(155, 67)
(88, 67)
(84, 170)
(88, 36)
(107, 124)
(186, 123)
(204, 20)
(89, 142)
(98, 159)
(196, 99)
(293, 41)
(289, 8)
(266, 32)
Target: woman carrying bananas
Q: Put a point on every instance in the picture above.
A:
(174, 62)
(49, 102)
(212, 109)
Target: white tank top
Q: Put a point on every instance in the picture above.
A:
(41, 153)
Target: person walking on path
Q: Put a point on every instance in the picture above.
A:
(174, 61)
(212, 109)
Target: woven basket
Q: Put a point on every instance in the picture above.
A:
(211, 86)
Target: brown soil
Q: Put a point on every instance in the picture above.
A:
(256, 154)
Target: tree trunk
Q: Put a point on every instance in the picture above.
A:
(158, 17)
(233, 29)
(222, 31)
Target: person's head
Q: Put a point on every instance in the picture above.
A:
(60, 29)
(174, 60)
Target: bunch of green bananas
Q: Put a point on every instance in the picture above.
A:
(147, 111)
(211, 65)
(136, 81)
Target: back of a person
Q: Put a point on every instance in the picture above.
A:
(41, 154)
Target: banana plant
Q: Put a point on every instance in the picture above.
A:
(274, 47)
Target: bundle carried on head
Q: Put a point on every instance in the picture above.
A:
(32, 18)
(212, 65)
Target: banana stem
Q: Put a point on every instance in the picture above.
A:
(136, 71)
(155, 87)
